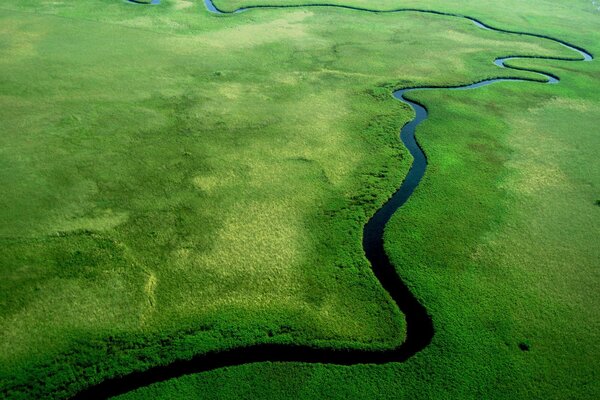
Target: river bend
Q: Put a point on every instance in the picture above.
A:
(420, 329)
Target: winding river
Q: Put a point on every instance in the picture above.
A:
(419, 324)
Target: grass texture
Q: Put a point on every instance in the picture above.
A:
(177, 182)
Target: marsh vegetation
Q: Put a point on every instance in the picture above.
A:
(177, 183)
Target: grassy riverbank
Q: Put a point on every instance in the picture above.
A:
(177, 182)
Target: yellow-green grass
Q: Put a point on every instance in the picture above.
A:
(547, 16)
(499, 241)
(178, 182)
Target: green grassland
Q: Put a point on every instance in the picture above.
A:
(177, 182)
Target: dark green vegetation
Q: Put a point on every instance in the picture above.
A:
(176, 182)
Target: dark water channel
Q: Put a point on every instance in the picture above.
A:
(420, 330)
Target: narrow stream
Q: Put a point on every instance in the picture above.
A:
(419, 324)
(142, 2)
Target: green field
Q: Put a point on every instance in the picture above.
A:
(176, 182)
